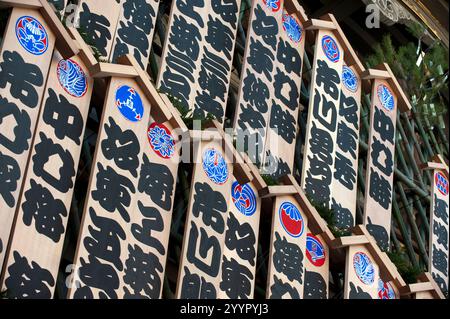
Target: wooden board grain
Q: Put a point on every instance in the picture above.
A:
(321, 132)
(23, 72)
(44, 204)
(380, 163)
(199, 275)
(135, 30)
(196, 63)
(344, 188)
(317, 268)
(287, 256)
(439, 230)
(361, 274)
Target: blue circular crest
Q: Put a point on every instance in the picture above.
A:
(315, 252)
(385, 290)
(364, 268)
(292, 27)
(72, 78)
(273, 5)
(215, 166)
(129, 103)
(32, 35)
(161, 140)
(386, 97)
(331, 49)
(244, 198)
(349, 79)
(291, 219)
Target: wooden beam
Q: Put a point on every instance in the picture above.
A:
(372, 74)
(316, 24)
(346, 241)
(103, 70)
(278, 190)
(28, 4)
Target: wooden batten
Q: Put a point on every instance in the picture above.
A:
(27, 4)
(426, 284)
(316, 24)
(103, 70)
(278, 190)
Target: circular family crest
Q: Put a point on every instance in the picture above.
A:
(273, 5)
(31, 35)
(386, 97)
(364, 268)
(215, 166)
(441, 183)
(161, 140)
(349, 79)
(291, 219)
(331, 49)
(129, 103)
(292, 27)
(385, 290)
(244, 198)
(72, 78)
(315, 252)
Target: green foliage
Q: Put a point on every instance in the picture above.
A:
(408, 272)
(188, 117)
(270, 181)
(425, 83)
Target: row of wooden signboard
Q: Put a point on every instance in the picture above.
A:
(123, 241)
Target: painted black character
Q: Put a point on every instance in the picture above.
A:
(46, 211)
(347, 139)
(384, 126)
(96, 27)
(380, 151)
(63, 116)
(95, 274)
(241, 238)
(440, 282)
(156, 180)
(185, 37)
(227, 9)
(380, 189)
(289, 57)
(220, 36)
(441, 209)
(343, 217)
(283, 290)
(122, 147)
(349, 110)
(21, 130)
(211, 205)
(265, 26)
(325, 111)
(284, 83)
(288, 258)
(315, 286)
(283, 123)
(344, 171)
(251, 118)
(256, 92)
(275, 167)
(236, 279)
(358, 293)
(143, 273)
(440, 260)
(28, 281)
(441, 233)
(9, 176)
(194, 287)
(151, 223)
(23, 78)
(113, 191)
(379, 233)
(328, 78)
(190, 8)
(261, 58)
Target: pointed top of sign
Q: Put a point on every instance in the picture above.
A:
(384, 72)
(437, 163)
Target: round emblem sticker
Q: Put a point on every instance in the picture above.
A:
(330, 48)
(243, 198)
(31, 35)
(129, 103)
(349, 79)
(291, 219)
(441, 183)
(292, 27)
(385, 290)
(364, 268)
(273, 5)
(215, 166)
(315, 252)
(161, 140)
(386, 97)
(72, 78)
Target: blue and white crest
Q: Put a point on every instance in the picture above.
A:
(291, 219)
(386, 97)
(32, 35)
(330, 48)
(385, 290)
(161, 140)
(364, 268)
(215, 166)
(129, 103)
(273, 5)
(72, 78)
(292, 27)
(244, 198)
(349, 79)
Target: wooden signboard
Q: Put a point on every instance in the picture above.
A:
(439, 228)
(99, 20)
(361, 274)
(198, 53)
(322, 126)
(199, 274)
(124, 234)
(268, 102)
(380, 163)
(135, 30)
(241, 243)
(25, 57)
(44, 205)
(317, 268)
(286, 271)
(344, 189)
